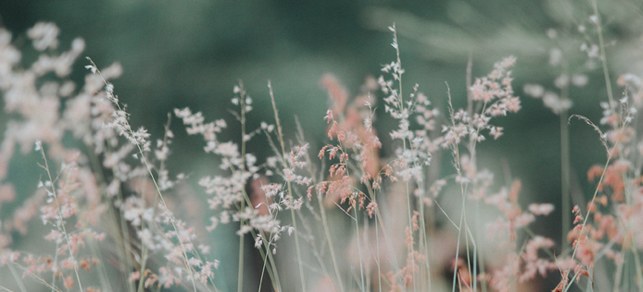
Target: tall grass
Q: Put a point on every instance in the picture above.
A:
(117, 219)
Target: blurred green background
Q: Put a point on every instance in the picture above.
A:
(191, 53)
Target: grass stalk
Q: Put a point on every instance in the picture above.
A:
(331, 249)
(565, 178)
(19, 281)
(241, 260)
(359, 250)
(60, 223)
(282, 145)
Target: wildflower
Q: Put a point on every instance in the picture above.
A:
(44, 35)
(541, 209)
(38, 145)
